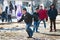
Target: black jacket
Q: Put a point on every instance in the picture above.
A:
(52, 13)
(27, 18)
(35, 16)
(3, 14)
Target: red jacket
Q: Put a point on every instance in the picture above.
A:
(43, 14)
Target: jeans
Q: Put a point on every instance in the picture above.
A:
(43, 22)
(36, 25)
(29, 30)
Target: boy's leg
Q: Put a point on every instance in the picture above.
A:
(8, 18)
(37, 29)
(2, 19)
(29, 30)
(50, 25)
(54, 25)
(44, 23)
(34, 27)
(37, 25)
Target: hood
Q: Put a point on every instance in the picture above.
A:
(42, 6)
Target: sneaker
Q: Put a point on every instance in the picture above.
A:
(37, 32)
(29, 37)
(50, 30)
(54, 30)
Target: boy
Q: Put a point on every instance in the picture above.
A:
(52, 13)
(36, 23)
(28, 20)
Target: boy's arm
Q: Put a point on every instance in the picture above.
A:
(56, 12)
(46, 15)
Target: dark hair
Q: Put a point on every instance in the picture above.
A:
(53, 5)
(6, 7)
(25, 9)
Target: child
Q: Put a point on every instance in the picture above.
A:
(43, 15)
(52, 13)
(28, 20)
(36, 23)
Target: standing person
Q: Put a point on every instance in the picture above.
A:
(15, 9)
(36, 20)
(6, 13)
(11, 7)
(10, 12)
(52, 13)
(42, 15)
(9, 15)
(28, 20)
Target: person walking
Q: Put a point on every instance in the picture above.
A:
(36, 20)
(43, 15)
(52, 13)
(28, 20)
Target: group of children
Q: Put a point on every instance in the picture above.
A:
(38, 16)
(28, 20)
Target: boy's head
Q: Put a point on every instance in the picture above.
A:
(6, 7)
(37, 9)
(52, 6)
(24, 10)
(41, 7)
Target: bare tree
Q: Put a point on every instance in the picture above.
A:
(55, 2)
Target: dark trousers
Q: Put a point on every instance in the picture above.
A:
(9, 18)
(4, 18)
(52, 23)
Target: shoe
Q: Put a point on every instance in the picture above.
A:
(37, 32)
(54, 30)
(45, 27)
(50, 30)
(29, 37)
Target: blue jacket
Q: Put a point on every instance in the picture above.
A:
(3, 14)
(52, 13)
